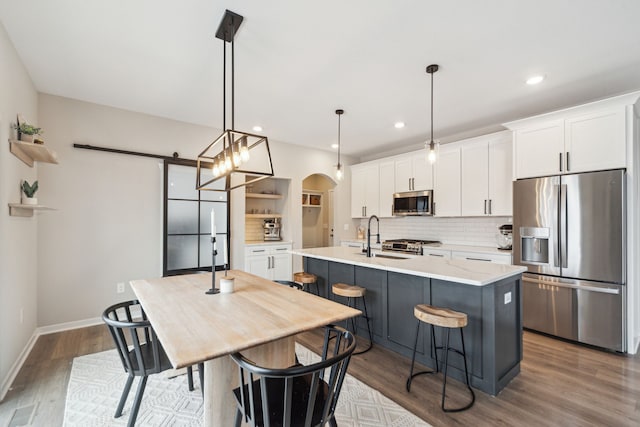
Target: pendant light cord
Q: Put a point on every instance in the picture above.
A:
(339, 140)
(431, 145)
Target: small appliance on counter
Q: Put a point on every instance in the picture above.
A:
(360, 232)
(505, 237)
(271, 229)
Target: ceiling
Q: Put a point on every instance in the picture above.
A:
(297, 61)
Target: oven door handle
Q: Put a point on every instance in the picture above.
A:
(602, 290)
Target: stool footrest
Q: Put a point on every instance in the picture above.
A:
(416, 374)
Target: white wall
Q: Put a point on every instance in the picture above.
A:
(108, 228)
(18, 249)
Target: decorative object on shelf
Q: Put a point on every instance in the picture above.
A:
(431, 145)
(28, 191)
(27, 132)
(234, 152)
(339, 171)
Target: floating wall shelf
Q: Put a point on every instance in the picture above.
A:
(263, 216)
(30, 153)
(263, 196)
(18, 209)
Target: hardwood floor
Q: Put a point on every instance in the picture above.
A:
(561, 384)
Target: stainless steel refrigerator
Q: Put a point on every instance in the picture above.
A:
(569, 231)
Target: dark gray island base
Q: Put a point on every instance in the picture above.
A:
(493, 336)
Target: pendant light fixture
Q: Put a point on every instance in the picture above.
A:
(431, 145)
(241, 158)
(339, 171)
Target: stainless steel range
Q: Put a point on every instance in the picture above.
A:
(409, 246)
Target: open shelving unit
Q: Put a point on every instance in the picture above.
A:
(30, 153)
(311, 199)
(18, 209)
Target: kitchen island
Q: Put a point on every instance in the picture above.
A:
(490, 295)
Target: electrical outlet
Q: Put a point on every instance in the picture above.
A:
(346, 227)
(21, 315)
(507, 297)
(120, 287)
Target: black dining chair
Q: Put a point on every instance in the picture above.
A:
(140, 351)
(296, 396)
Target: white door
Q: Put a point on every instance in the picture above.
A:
(475, 179)
(281, 268)
(386, 188)
(258, 265)
(422, 172)
(447, 182)
(539, 150)
(500, 177)
(595, 141)
(358, 185)
(403, 174)
(331, 226)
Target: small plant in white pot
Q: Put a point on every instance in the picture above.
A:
(27, 132)
(28, 191)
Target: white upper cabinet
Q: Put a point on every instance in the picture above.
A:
(595, 141)
(447, 188)
(413, 172)
(486, 175)
(580, 139)
(538, 150)
(386, 178)
(364, 190)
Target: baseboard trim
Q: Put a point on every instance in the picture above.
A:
(44, 330)
(17, 365)
(60, 327)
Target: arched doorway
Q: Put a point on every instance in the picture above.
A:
(317, 211)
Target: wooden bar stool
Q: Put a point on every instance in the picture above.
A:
(448, 319)
(353, 294)
(306, 279)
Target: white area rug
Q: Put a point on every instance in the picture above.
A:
(97, 381)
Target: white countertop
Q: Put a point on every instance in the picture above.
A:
(268, 242)
(447, 247)
(477, 273)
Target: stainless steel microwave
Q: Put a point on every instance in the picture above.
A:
(413, 203)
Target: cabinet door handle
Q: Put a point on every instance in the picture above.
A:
(438, 255)
(560, 162)
(485, 206)
(257, 250)
(478, 259)
(490, 207)
(567, 161)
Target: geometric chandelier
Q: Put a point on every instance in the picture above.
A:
(240, 158)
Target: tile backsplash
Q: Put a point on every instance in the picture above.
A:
(476, 231)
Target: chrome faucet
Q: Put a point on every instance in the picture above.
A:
(369, 234)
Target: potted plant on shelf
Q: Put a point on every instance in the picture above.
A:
(27, 132)
(28, 191)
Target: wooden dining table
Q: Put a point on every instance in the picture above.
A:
(260, 319)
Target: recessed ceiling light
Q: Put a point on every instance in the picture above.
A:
(334, 146)
(534, 80)
(399, 125)
(257, 128)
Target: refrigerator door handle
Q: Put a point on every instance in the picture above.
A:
(563, 225)
(602, 290)
(556, 258)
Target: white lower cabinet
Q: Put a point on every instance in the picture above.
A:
(476, 256)
(272, 262)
